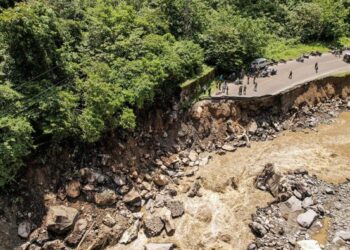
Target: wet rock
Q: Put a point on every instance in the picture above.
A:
(132, 196)
(160, 180)
(24, 229)
(258, 229)
(194, 189)
(54, 245)
(153, 226)
(106, 198)
(75, 236)
(308, 245)
(306, 219)
(73, 189)
(60, 219)
(293, 204)
(159, 246)
(131, 233)
(228, 148)
(176, 208)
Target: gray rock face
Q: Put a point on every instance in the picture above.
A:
(308, 245)
(159, 246)
(132, 197)
(131, 233)
(77, 233)
(60, 219)
(106, 198)
(24, 229)
(153, 226)
(293, 203)
(306, 219)
(176, 208)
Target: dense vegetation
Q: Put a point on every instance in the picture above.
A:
(74, 69)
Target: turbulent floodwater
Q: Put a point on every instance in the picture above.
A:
(219, 219)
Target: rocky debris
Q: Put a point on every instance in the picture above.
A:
(176, 208)
(153, 226)
(160, 180)
(204, 214)
(39, 236)
(159, 246)
(193, 156)
(106, 198)
(54, 245)
(169, 226)
(132, 196)
(308, 245)
(293, 204)
(306, 219)
(75, 236)
(60, 219)
(24, 229)
(73, 189)
(291, 224)
(270, 180)
(194, 191)
(131, 233)
(108, 220)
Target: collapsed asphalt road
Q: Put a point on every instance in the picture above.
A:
(302, 73)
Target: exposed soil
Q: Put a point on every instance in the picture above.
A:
(123, 186)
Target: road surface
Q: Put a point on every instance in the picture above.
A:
(302, 72)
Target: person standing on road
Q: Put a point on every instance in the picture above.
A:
(316, 67)
(248, 76)
(226, 89)
(244, 89)
(255, 86)
(290, 74)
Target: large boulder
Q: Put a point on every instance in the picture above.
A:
(176, 208)
(293, 204)
(106, 198)
(153, 226)
(132, 196)
(306, 219)
(24, 229)
(60, 219)
(78, 232)
(308, 245)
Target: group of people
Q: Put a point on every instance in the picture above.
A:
(291, 72)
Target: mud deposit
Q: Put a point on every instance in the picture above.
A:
(220, 218)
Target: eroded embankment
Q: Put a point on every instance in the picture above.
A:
(129, 182)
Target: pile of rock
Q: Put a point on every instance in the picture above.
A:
(299, 212)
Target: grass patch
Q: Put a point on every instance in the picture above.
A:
(342, 74)
(206, 70)
(289, 49)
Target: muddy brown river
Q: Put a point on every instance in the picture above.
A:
(219, 219)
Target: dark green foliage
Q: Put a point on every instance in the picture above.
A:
(77, 68)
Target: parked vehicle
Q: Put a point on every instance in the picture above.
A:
(260, 64)
(346, 57)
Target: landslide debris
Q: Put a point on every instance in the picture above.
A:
(307, 213)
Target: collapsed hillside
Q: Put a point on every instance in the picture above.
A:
(103, 195)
